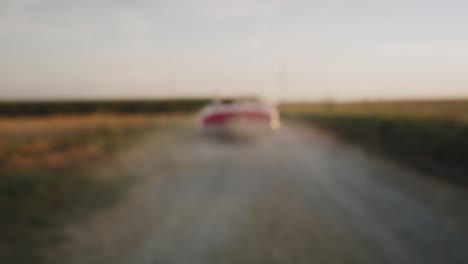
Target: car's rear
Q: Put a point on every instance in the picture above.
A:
(238, 118)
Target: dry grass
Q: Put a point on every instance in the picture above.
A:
(59, 142)
(27, 126)
(46, 175)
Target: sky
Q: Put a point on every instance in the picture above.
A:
(279, 49)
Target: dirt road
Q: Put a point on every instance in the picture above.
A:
(295, 197)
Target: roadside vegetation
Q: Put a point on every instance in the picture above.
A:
(431, 136)
(47, 108)
(447, 110)
(48, 175)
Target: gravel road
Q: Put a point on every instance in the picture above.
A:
(294, 197)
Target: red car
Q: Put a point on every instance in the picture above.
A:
(239, 117)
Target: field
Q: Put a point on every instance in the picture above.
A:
(47, 175)
(47, 108)
(431, 136)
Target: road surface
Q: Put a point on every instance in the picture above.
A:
(295, 197)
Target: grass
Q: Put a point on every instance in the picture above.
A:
(429, 136)
(35, 206)
(47, 176)
(447, 110)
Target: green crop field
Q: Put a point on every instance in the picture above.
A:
(454, 110)
(431, 136)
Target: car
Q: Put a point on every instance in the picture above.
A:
(238, 117)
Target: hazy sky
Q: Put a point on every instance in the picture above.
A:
(341, 49)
